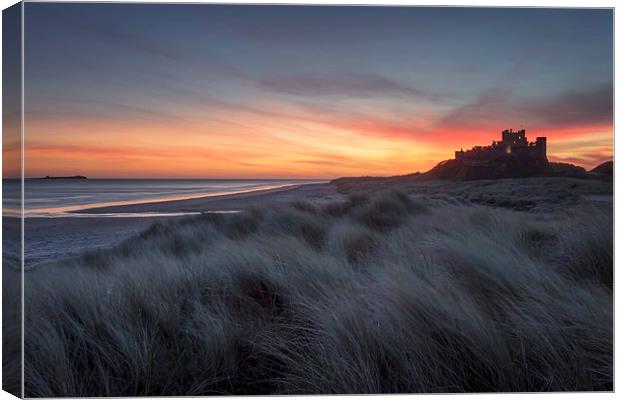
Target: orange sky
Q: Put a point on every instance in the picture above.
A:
(303, 146)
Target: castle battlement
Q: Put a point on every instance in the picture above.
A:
(514, 145)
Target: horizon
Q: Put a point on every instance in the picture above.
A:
(160, 91)
(176, 178)
(256, 179)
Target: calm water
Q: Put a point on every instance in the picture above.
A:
(53, 198)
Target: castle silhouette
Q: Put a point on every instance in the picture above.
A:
(513, 147)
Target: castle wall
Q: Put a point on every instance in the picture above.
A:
(513, 145)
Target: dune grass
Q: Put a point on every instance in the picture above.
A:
(379, 294)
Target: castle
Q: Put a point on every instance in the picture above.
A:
(513, 147)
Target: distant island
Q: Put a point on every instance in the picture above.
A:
(64, 177)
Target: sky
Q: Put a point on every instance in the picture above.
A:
(216, 91)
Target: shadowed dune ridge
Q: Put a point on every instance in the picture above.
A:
(504, 168)
(381, 293)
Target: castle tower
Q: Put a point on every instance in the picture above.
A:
(514, 138)
(541, 147)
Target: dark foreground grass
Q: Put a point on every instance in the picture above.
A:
(374, 295)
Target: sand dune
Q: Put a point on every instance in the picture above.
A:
(425, 289)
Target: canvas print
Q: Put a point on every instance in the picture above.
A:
(205, 199)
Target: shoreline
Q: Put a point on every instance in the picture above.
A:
(85, 209)
(312, 192)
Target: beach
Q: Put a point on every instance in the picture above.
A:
(314, 193)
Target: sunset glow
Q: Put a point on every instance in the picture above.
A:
(307, 92)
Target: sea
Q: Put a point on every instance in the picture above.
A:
(66, 197)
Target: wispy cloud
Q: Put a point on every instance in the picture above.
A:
(589, 160)
(128, 40)
(156, 47)
(345, 84)
(591, 106)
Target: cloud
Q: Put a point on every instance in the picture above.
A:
(344, 84)
(313, 27)
(122, 152)
(322, 162)
(589, 141)
(155, 46)
(588, 160)
(591, 106)
(134, 42)
(484, 109)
